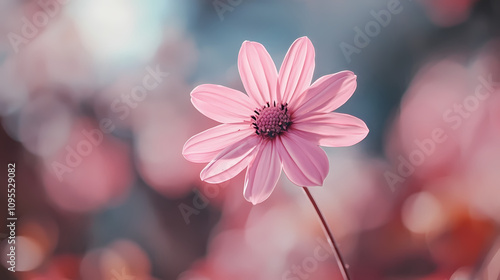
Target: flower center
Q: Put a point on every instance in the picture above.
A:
(271, 120)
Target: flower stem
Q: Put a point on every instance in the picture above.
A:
(329, 235)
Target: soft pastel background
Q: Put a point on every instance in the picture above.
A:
(116, 213)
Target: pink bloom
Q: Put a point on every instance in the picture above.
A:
(279, 124)
(448, 13)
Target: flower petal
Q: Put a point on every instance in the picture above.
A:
(258, 73)
(222, 104)
(333, 129)
(262, 174)
(326, 94)
(231, 161)
(204, 146)
(297, 70)
(304, 163)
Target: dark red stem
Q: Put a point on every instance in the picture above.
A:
(329, 236)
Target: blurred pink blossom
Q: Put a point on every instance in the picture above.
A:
(452, 184)
(282, 248)
(89, 173)
(122, 259)
(59, 267)
(448, 12)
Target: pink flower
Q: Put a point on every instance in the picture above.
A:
(279, 124)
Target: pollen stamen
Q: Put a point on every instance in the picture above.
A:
(271, 121)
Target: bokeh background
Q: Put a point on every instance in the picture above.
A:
(102, 189)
